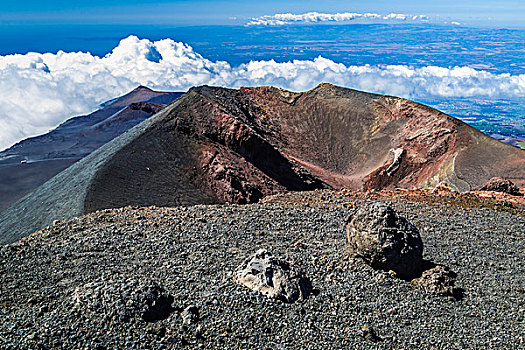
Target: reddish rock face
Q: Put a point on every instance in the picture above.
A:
(337, 137)
(242, 145)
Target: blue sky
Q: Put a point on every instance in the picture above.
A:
(509, 13)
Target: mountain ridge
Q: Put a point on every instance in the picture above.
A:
(216, 145)
(31, 162)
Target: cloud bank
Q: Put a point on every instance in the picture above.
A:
(315, 17)
(39, 91)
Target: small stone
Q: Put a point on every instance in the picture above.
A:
(190, 315)
(44, 309)
(273, 277)
(122, 300)
(438, 281)
(370, 334)
(392, 311)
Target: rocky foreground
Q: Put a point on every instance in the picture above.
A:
(168, 278)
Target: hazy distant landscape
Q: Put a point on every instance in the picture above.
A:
(492, 49)
(380, 46)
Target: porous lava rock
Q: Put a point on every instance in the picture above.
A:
(270, 276)
(385, 240)
(438, 280)
(501, 184)
(123, 300)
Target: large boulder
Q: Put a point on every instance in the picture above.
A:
(501, 184)
(273, 277)
(385, 240)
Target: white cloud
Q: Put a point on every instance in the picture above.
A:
(314, 17)
(39, 91)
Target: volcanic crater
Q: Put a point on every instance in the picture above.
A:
(217, 145)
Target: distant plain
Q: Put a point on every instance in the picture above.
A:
(497, 51)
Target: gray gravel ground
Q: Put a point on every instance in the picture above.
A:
(192, 252)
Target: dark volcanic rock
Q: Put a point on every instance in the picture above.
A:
(438, 280)
(216, 145)
(193, 252)
(273, 277)
(501, 184)
(370, 334)
(385, 240)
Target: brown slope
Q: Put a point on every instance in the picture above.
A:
(198, 144)
(217, 145)
(348, 138)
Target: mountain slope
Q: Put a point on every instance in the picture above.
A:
(217, 145)
(31, 162)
